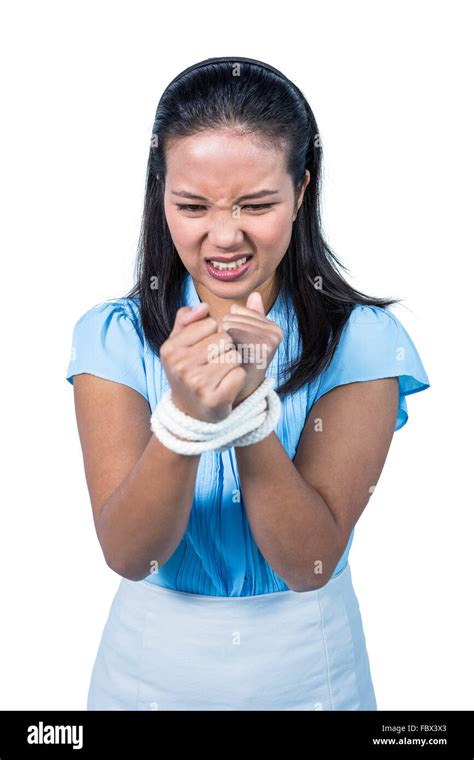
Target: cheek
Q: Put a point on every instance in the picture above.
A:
(275, 230)
(181, 231)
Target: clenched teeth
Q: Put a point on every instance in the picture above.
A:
(232, 265)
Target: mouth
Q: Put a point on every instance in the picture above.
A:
(229, 268)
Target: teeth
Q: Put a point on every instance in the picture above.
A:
(232, 265)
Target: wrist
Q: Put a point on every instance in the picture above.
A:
(242, 396)
(239, 400)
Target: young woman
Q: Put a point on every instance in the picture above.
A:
(235, 418)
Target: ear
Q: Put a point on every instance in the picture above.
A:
(299, 197)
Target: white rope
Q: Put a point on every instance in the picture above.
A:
(253, 419)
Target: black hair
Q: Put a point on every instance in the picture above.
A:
(260, 100)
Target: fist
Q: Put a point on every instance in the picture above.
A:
(256, 339)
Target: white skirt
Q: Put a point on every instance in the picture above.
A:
(170, 650)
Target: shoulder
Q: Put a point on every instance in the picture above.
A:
(375, 344)
(123, 311)
(373, 332)
(107, 341)
(371, 317)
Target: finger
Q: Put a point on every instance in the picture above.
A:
(212, 375)
(255, 303)
(187, 315)
(235, 309)
(221, 364)
(253, 345)
(208, 349)
(230, 321)
(215, 349)
(248, 329)
(193, 333)
(231, 384)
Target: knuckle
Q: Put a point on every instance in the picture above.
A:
(224, 336)
(180, 369)
(227, 354)
(210, 399)
(194, 382)
(166, 349)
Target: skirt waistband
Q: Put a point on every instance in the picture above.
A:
(343, 578)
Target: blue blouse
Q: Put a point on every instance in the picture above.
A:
(217, 555)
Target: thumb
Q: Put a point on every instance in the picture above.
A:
(254, 302)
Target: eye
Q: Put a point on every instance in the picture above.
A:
(260, 206)
(184, 207)
(194, 207)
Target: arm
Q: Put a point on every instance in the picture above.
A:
(302, 512)
(141, 492)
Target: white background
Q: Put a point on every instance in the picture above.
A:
(391, 88)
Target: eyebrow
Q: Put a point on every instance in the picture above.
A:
(259, 194)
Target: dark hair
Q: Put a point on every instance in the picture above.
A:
(260, 100)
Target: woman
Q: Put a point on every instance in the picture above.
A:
(236, 591)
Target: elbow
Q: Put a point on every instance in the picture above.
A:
(122, 564)
(302, 582)
(125, 569)
(318, 577)
(131, 566)
(308, 585)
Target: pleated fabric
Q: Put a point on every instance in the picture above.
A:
(217, 554)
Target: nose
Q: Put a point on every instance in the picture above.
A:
(225, 231)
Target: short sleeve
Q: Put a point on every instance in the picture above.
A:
(374, 344)
(107, 341)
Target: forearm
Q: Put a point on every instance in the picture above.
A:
(143, 521)
(290, 521)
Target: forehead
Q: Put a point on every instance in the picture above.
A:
(216, 161)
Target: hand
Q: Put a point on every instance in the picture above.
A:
(202, 365)
(256, 338)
